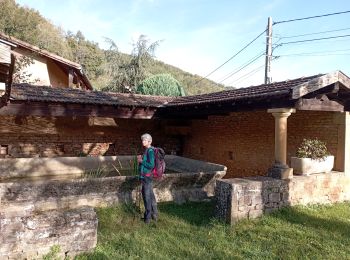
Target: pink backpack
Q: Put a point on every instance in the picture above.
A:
(159, 162)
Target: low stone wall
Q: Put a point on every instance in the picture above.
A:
(29, 236)
(242, 198)
(100, 192)
(37, 212)
(73, 167)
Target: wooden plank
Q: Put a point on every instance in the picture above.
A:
(5, 53)
(345, 80)
(315, 84)
(49, 109)
(319, 105)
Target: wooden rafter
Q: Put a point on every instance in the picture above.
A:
(319, 104)
(51, 109)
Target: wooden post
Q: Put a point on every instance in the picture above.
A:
(268, 78)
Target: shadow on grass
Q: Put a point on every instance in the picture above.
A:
(296, 216)
(94, 255)
(195, 213)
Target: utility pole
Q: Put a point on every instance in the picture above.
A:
(268, 78)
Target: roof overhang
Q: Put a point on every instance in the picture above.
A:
(45, 109)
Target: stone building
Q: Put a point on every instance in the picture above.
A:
(244, 129)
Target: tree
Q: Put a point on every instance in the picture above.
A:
(127, 73)
(86, 53)
(161, 85)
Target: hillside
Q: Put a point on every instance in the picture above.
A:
(103, 67)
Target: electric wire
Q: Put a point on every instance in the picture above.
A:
(245, 76)
(315, 39)
(252, 72)
(315, 52)
(227, 76)
(232, 57)
(306, 34)
(310, 17)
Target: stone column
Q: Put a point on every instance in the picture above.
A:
(280, 169)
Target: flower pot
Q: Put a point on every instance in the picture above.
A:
(306, 166)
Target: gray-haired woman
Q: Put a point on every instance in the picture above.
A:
(147, 164)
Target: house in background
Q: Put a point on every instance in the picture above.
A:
(38, 67)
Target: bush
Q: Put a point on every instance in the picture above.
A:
(312, 148)
(161, 85)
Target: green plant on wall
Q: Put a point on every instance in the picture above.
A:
(100, 172)
(312, 148)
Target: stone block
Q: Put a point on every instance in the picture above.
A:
(255, 214)
(275, 197)
(73, 230)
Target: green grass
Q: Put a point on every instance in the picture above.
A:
(189, 231)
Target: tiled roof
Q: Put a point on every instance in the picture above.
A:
(27, 92)
(33, 48)
(251, 93)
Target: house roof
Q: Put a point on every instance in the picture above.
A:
(15, 43)
(275, 89)
(27, 92)
(302, 93)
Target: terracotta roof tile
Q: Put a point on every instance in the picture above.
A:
(27, 92)
(254, 92)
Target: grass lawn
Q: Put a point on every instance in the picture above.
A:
(189, 231)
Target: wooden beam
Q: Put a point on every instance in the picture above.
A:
(49, 109)
(319, 105)
(314, 85)
(343, 79)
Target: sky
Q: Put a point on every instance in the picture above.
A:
(200, 35)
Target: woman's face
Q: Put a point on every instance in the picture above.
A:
(146, 142)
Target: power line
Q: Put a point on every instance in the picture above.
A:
(310, 17)
(242, 67)
(301, 54)
(315, 39)
(306, 34)
(231, 57)
(317, 52)
(252, 72)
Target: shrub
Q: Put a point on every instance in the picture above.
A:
(312, 148)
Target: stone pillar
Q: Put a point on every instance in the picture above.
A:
(280, 169)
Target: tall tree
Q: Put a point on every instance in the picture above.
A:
(87, 53)
(128, 73)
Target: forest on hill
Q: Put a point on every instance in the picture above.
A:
(107, 69)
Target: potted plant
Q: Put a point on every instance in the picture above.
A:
(312, 157)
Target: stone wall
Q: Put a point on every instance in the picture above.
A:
(100, 192)
(28, 234)
(74, 136)
(242, 198)
(244, 141)
(37, 214)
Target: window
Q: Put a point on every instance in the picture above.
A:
(230, 155)
(4, 149)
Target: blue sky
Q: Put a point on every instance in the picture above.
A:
(199, 35)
